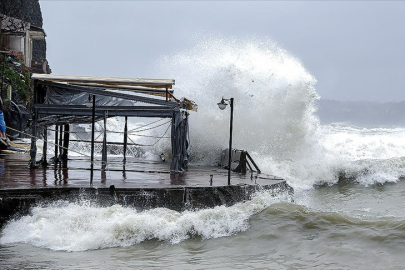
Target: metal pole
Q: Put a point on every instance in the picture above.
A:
(45, 147)
(56, 143)
(33, 151)
(60, 142)
(230, 144)
(125, 138)
(66, 138)
(93, 118)
(104, 151)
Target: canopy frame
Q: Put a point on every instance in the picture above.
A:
(60, 100)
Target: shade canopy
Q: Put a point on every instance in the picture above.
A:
(61, 99)
(155, 83)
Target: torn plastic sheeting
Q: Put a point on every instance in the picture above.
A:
(59, 96)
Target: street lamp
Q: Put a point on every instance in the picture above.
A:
(222, 105)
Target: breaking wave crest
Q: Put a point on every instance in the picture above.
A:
(275, 116)
(83, 226)
(274, 96)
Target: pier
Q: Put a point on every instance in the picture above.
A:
(134, 183)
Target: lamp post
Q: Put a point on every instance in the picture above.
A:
(222, 105)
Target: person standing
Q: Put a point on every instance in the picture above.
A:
(2, 124)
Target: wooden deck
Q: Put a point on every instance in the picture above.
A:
(136, 183)
(134, 173)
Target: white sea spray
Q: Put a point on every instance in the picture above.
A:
(274, 117)
(83, 226)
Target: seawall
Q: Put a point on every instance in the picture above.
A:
(136, 183)
(17, 202)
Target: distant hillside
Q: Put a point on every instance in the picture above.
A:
(362, 113)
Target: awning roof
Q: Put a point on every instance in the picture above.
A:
(60, 99)
(108, 81)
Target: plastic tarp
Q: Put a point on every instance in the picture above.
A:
(59, 96)
(16, 119)
(180, 142)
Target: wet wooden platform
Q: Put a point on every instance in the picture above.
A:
(136, 183)
(134, 173)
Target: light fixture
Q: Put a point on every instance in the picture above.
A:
(222, 105)
(89, 102)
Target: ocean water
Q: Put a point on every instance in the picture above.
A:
(346, 213)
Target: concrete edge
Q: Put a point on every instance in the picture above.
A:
(16, 202)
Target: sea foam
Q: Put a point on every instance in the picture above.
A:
(84, 226)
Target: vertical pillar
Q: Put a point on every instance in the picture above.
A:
(93, 119)
(45, 148)
(125, 138)
(175, 166)
(56, 143)
(185, 142)
(33, 152)
(60, 142)
(66, 137)
(104, 151)
(242, 163)
(230, 143)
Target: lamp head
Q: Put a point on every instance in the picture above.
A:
(89, 103)
(222, 105)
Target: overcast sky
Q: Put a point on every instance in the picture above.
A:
(354, 49)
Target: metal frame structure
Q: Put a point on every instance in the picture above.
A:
(64, 111)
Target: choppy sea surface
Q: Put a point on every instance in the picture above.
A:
(344, 226)
(346, 213)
